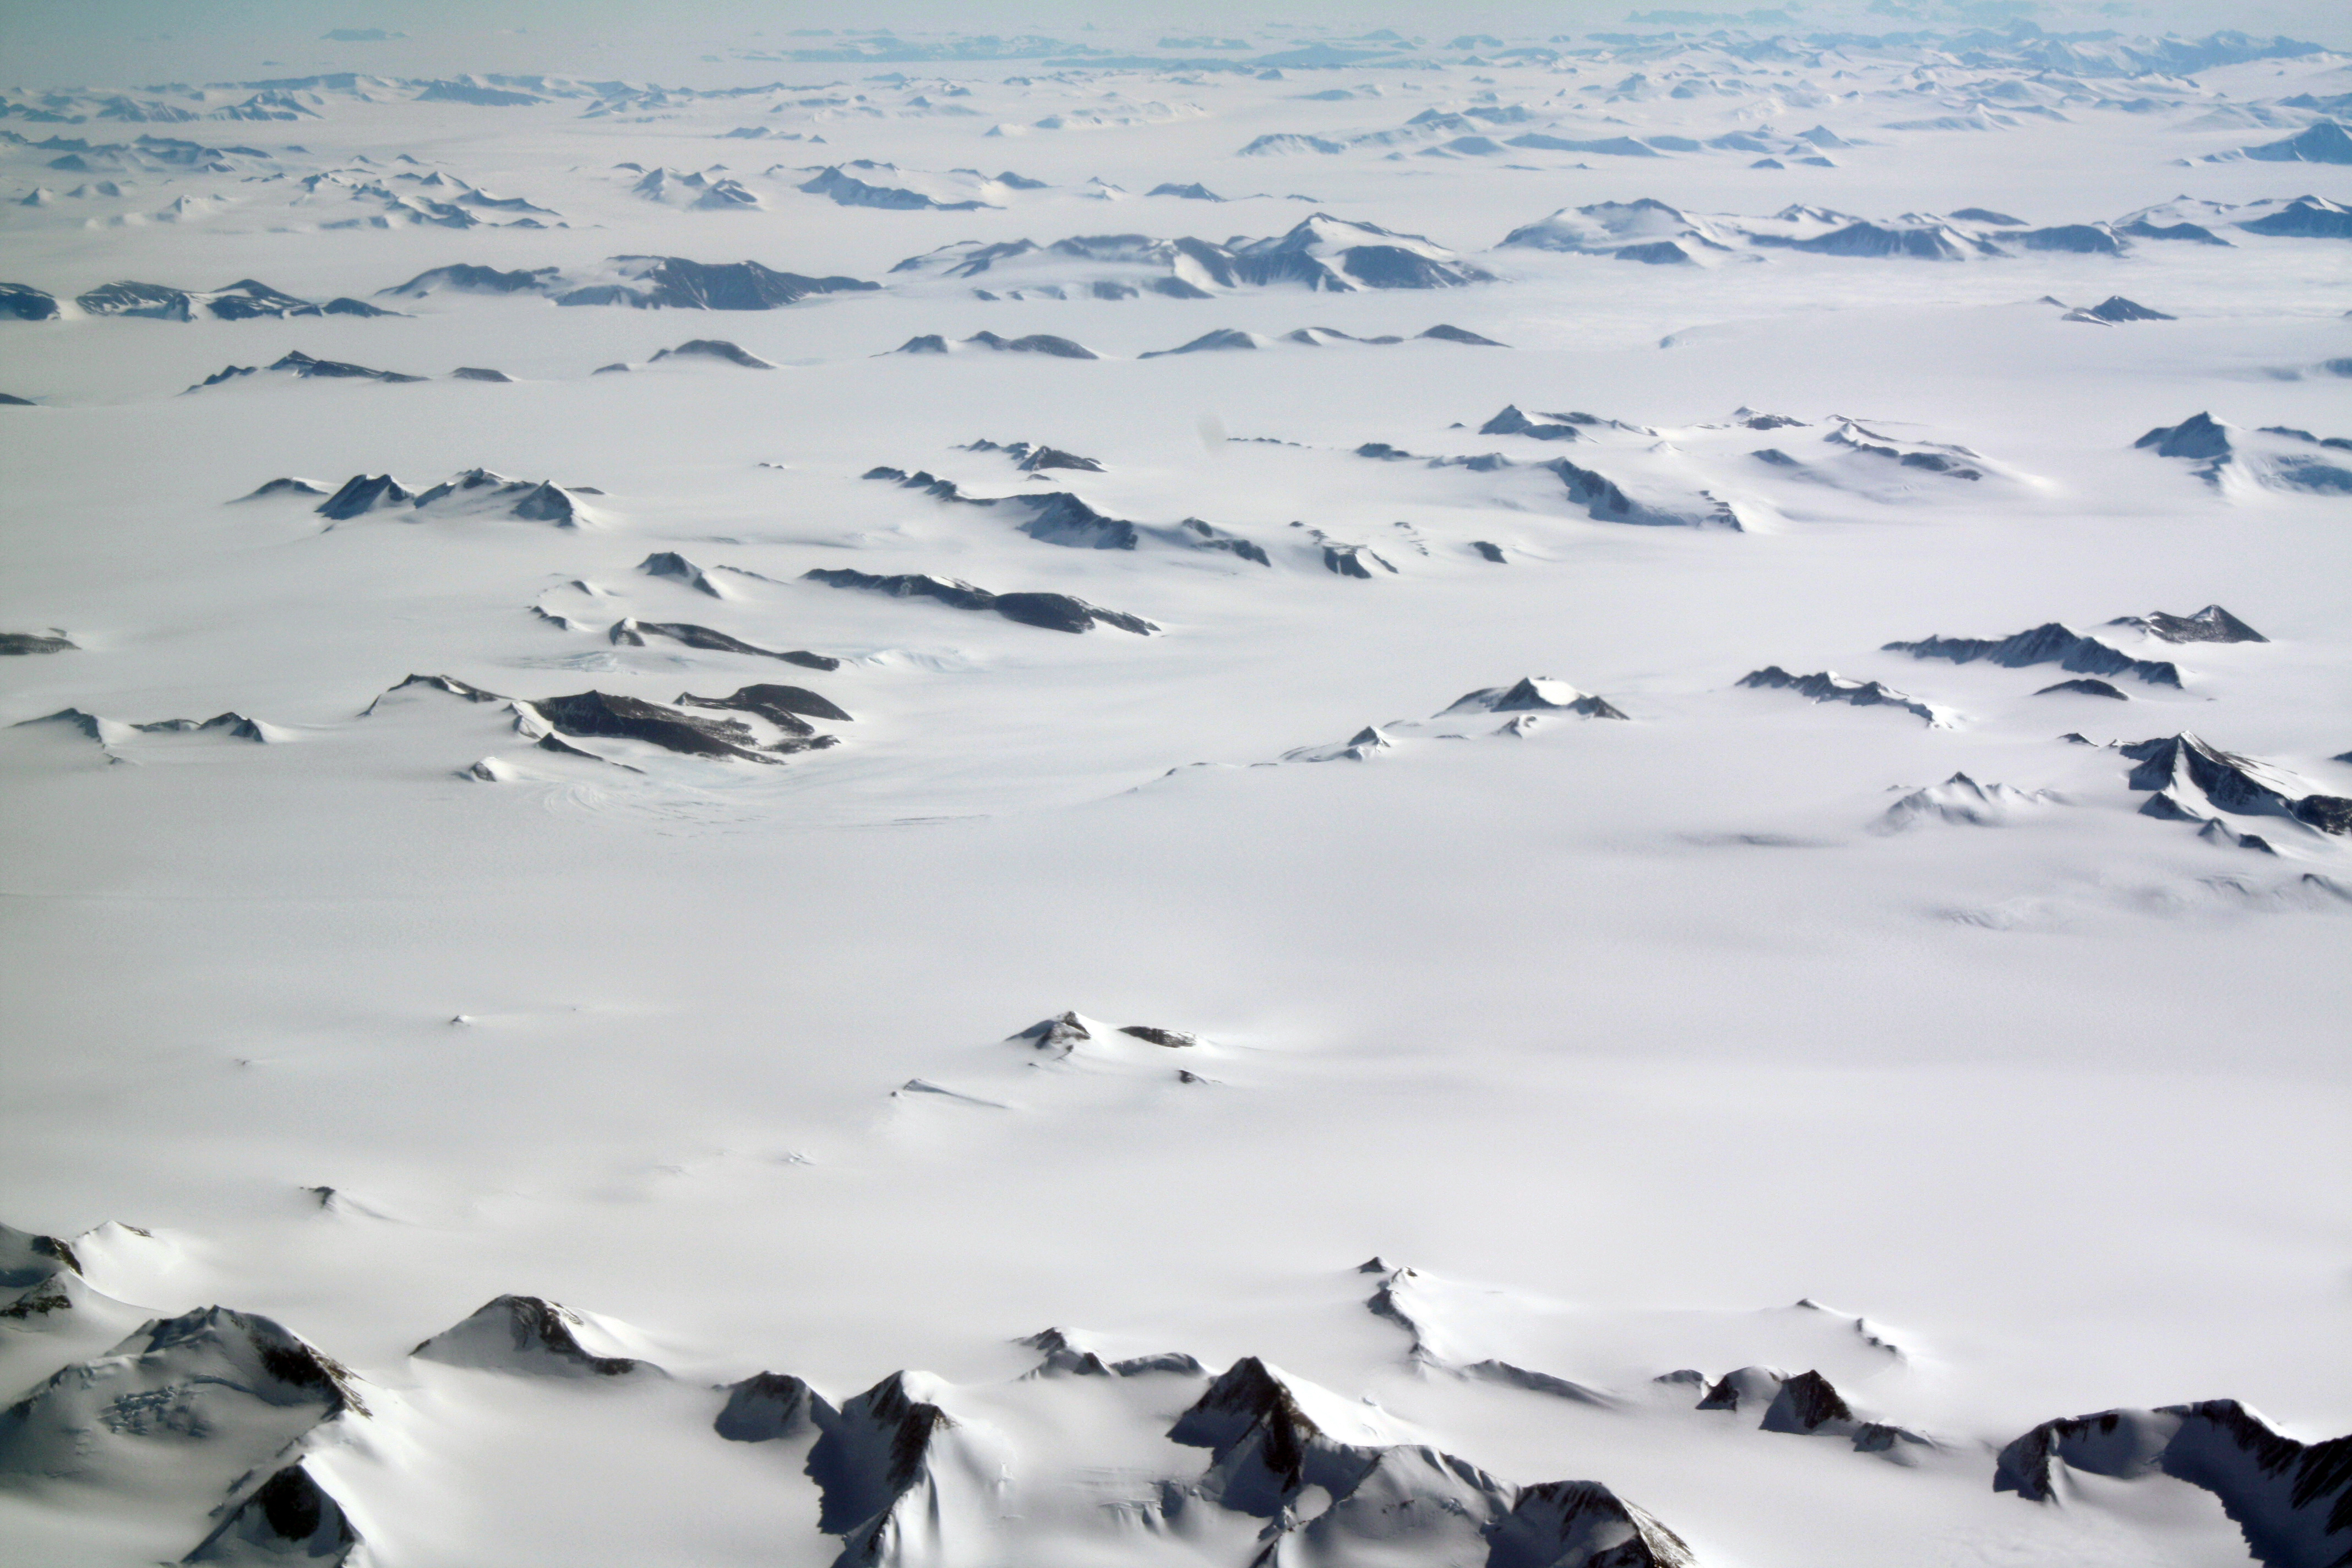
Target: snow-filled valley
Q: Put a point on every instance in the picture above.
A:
(1299, 796)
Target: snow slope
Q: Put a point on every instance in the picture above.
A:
(1797, 981)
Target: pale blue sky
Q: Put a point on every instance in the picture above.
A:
(45, 42)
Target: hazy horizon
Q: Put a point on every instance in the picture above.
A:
(122, 42)
(1569, 806)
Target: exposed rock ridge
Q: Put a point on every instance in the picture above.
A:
(1827, 686)
(2049, 642)
(1266, 1452)
(2292, 1500)
(1054, 612)
(1606, 501)
(526, 1334)
(2211, 624)
(2185, 771)
(1059, 517)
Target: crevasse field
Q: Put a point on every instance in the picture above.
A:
(1304, 797)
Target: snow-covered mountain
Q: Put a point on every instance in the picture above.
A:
(1204, 848)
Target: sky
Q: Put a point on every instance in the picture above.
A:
(120, 42)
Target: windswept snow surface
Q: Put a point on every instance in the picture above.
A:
(703, 1034)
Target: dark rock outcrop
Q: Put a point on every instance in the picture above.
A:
(600, 713)
(876, 1451)
(1390, 1503)
(1034, 344)
(1059, 1036)
(1534, 694)
(1511, 422)
(716, 348)
(2215, 446)
(299, 363)
(2184, 770)
(2193, 233)
(1393, 267)
(670, 282)
(2305, 217)
(1064, 1357)
(525, 1333)
(215, 1389)
(2115, 308)
(1064, 612)
(1806, 1403)
(1446, 334)
(2081, 238)
(1349, 560)
(958, 595)
(23, 302)
(1946, 461)
(1747, 1387)
(250, 299)
(1862, 238)
(1264, 1449)
(1581, 1524)
(1826, 686)
(1223, 339)
(631, 632)
(2292, 1500)
(364, 493)
(2211, 624)
(1032, 459)
(2050, 643)
(1054, 612)
(304, 367)
(787, 707)
(154, 300)
(275, 1357)
(290, 1515)
(1321, 253)
(2213, 832)
(671, 564)
(445, 683)
(2086, 687)
(466, 277)
(848, 190)
(1175, 1039)
(1061, 518)
(2199, 435)
(2325, 142)
(28, 1259)
(1054, 457)
(768, 1406)
(532, 500)
(1605, 501)
(106, 732)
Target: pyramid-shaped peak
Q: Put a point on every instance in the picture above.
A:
(1064, 1027)
(529, 1334)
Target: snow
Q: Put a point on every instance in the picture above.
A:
(656, 1137)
